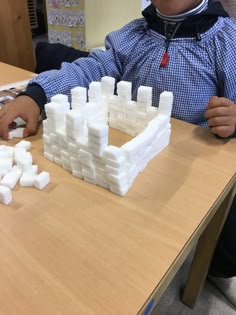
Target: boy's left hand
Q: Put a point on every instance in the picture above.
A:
(221, 115)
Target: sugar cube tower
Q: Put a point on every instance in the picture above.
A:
(75, 135)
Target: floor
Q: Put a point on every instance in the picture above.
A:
(211, 301)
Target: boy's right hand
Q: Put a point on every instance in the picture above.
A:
(23, 107)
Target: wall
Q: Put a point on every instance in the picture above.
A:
(83, 24)
(103, 16)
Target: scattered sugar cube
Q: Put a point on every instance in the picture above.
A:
(5, 195)
(24, 144)
(23, 171)
(11, 178)
(5, 166)
(41, 180)
(27, 180)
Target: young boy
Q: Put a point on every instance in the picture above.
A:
(187, 47)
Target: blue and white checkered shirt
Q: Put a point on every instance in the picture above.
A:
(196, 71)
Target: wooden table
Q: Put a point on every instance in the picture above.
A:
(75, 248)
(10, 74)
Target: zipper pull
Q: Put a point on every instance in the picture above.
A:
(164, 60)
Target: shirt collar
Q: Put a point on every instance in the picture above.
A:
(182, 16)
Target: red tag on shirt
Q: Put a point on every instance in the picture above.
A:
(164, 60)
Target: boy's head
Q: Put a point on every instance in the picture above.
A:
(172, 7)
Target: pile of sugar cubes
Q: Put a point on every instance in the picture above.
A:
(16, 165)
(75, 133)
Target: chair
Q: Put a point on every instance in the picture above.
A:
(50, 56)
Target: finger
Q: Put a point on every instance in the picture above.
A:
(223, 131)
(5, 134)
(31, 126)
(1, 113)
(219, 121)
(217, 112)
(219, 102)
(6, 120)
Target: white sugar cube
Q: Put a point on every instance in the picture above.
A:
(27, 180)
(5, 195)
(85, 155)
(106, 80)
(124, 88)
(25, 163)
(119, 179)
(165, 103)
(96, 150)
(116, 163)
(82, 143)
(19, 152)
(48, 156)
(41, 180)
(144, 93)
(10, 150)
(78, 103)
(5, 166)
(131, 106)
(152, 113)
(50, 109)
(90, 180)
(11, 178)
(77, 174)
(112, 152)
(113, 101)
(115, 170)
(121, 191)
(4, 155)
(75, 118)
(99, 130)
(24, 144)
(92, 139)
(108, 85)
(45, 125)
(16, 133)
(94, 89)
(79, 92)
(3, 147)
(59, 98)
(16, 169)
(73, 147)
(47, 139)
(32, 170)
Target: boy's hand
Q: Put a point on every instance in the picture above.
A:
(221, 115)
(24, 107)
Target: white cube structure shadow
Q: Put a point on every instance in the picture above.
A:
(77, 138)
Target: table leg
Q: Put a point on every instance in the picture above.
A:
(204, 252)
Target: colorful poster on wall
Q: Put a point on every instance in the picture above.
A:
(66, 23)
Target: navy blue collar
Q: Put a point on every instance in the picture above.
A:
(193, 26)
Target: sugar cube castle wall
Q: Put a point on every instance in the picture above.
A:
(75, 135)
